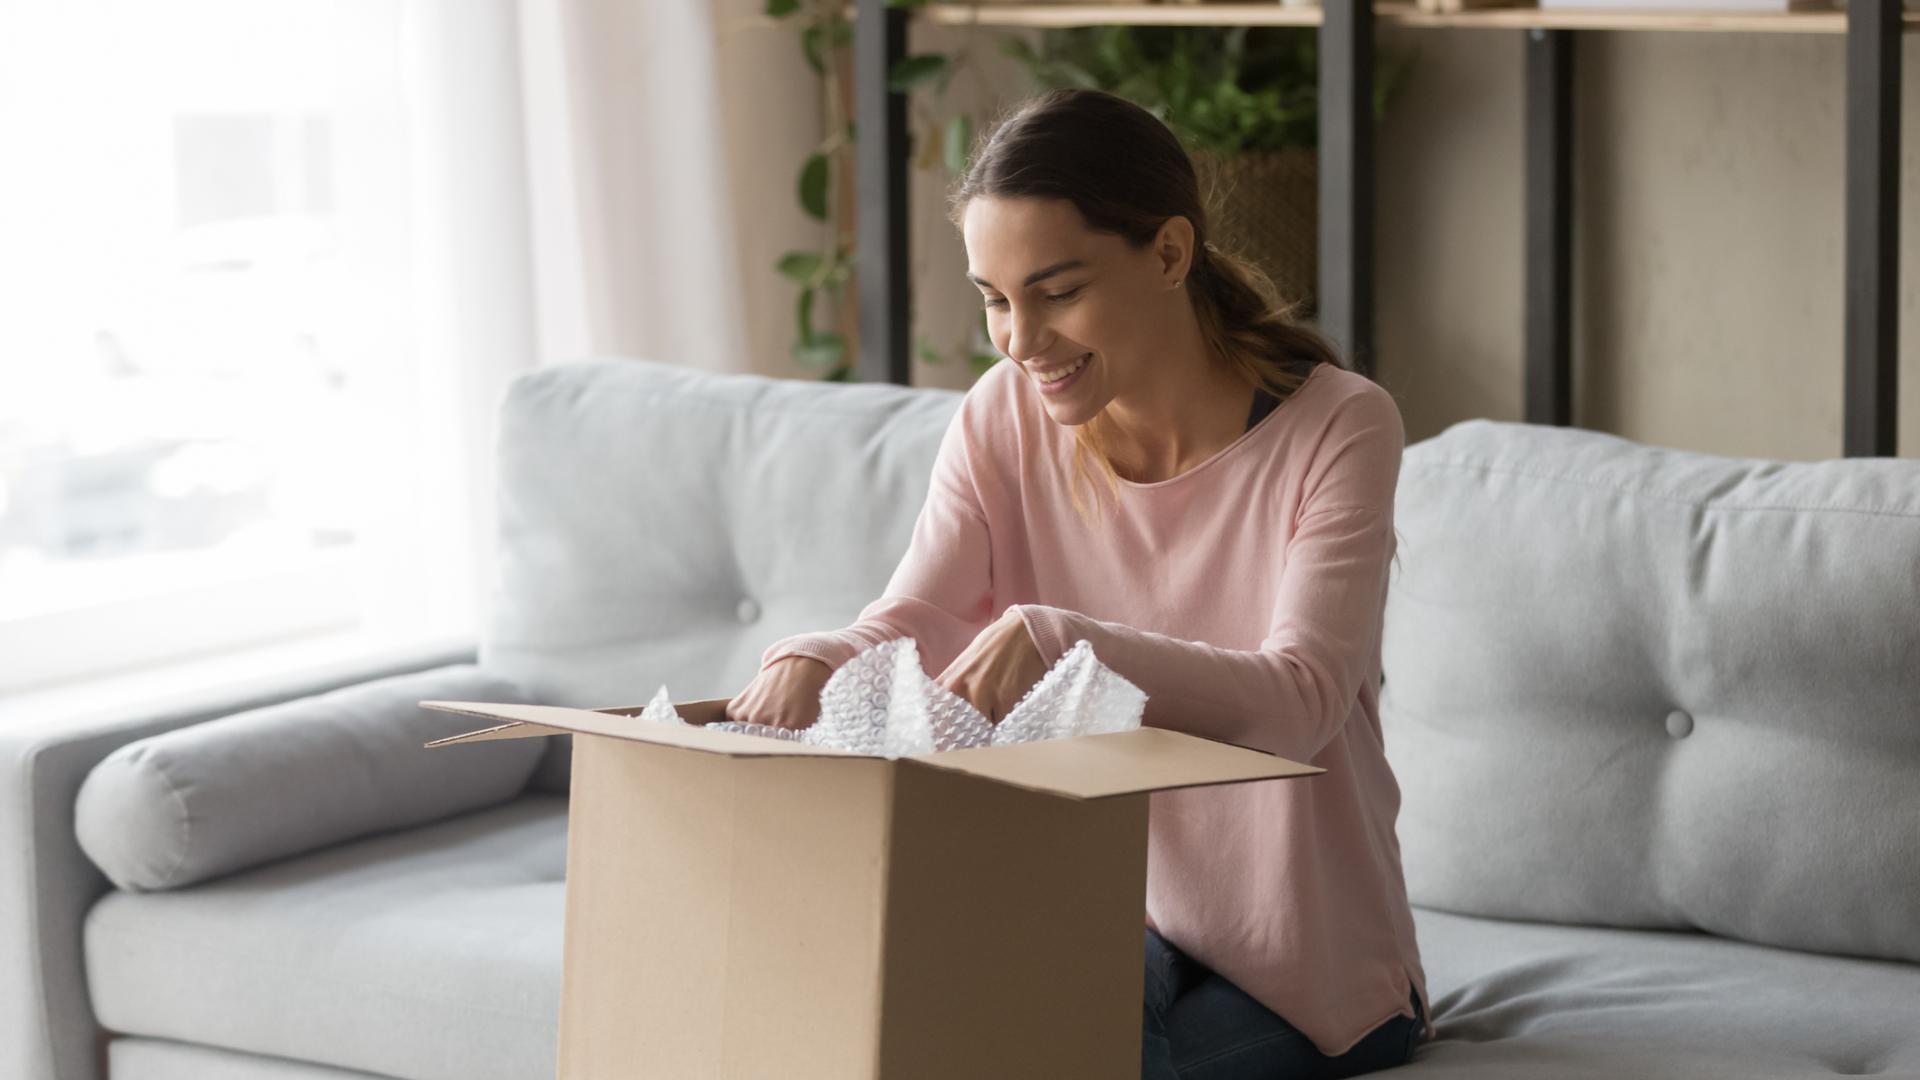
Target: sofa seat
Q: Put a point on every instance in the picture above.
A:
(1520, 999)
(427, 954)
(435, 953)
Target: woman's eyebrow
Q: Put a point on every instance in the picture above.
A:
(1037, 275)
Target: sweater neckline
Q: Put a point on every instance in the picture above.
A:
(1246, 436)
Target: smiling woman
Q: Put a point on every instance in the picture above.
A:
(1092, 261)
(1238, 578)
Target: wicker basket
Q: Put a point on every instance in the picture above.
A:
(1265, 206)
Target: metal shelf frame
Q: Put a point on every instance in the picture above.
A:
(1873, 29)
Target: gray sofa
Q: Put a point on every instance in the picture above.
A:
(1654, 716)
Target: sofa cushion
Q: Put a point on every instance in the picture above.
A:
(429, 954)
(201, 801)
(1643, 687)
(1517, 999)
(660, 524)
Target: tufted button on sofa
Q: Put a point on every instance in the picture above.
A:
(1653, 716)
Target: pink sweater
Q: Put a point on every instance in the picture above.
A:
(1245, 597)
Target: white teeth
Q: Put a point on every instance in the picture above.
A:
(1077, 365)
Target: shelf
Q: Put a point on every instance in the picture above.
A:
(1871, 184)
(1272, 14)
(1401, 14)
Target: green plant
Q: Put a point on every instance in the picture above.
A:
(1225, 91)
(977, 348)
(952, 147)
(824, 32)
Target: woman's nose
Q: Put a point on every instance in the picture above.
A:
(1027, 336)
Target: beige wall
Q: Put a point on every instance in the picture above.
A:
(1708, 280)
(1708, 237)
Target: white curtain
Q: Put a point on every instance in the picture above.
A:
(574, 195)
(632, 202)
(274, 266)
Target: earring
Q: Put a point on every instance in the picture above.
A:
(1177, 284)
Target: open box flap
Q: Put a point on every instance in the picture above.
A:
(1118, 763)
(1088, 767)
(511, 730)
(529, 720)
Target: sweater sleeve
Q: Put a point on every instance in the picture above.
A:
(941, 593)
(1291, 695)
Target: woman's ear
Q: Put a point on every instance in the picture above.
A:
(1173, 249)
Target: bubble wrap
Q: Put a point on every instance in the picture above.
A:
(881, 702)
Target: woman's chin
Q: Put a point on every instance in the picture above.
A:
(1070, 413)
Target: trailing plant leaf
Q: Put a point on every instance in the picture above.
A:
(823, 350)
(824, 30)
(813, 186)
(799, 266)
(912, 71)
(811, 39)
(959, 143)
(818, 39)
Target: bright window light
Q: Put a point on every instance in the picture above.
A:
(207, 387)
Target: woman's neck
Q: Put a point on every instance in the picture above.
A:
(1179, 412)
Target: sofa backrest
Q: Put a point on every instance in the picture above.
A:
(1642, 687)
(660, 524)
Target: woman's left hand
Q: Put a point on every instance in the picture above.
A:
(998, 668)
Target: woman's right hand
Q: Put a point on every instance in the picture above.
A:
(785, 694)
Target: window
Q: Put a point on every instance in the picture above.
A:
(211, 386)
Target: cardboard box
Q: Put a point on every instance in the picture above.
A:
(749, 908)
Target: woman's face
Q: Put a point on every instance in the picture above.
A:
(1063, 300)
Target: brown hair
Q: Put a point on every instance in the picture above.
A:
(1127, 174)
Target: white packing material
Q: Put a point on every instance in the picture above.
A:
(882, 702)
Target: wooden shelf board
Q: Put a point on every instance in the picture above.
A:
(1273, 14)
(1270, 14)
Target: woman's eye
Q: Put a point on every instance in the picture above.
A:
(995, 302)
(1068, 294)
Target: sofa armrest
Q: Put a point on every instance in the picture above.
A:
(47, 884)
(231, 794)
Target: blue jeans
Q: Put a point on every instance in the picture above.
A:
(1199, 1026)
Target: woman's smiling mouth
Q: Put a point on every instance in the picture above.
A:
(1058, 380)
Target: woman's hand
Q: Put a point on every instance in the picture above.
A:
(786, 694)
(998, 668)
